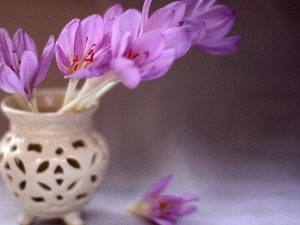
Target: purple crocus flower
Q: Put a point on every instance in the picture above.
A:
(20, 70)
(167, 20)
(81, 51)
(163, 209)
(137, 57)
(217, 21)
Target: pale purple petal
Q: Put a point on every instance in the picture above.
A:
(79, 44)
(113, 12)
(28, 69)
(6, 47)
(161, 221)
(9, 81)
(92, 29)
(178, 39)
(198, 6)
(83, 73)
(99, 67)
(187, 209)
(186, 197)
(23, 42)
(45, 61)
(178, 7)
(166, 17)
(145, 14)
(149, 46)
(158, 67)
(125, 31)
(157, 187)
(196, 28)
(62, 60)
(160, 21)
(67, 37)
(126, 72)
(220, 47)
(218, 22)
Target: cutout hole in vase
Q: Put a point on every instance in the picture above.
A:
(59, 151)
(7, 166)
(59, 181)
(20, 165)
(94, 178)
(58, 169)
(13, 148)
(38, 199)
(44, 186)
(78, 197)
(78, 144)
(94, 159)
(74, 163)
(72, 185)
(22, 185)
(43, 167)
(35, 147)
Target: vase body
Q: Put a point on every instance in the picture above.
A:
(52, 163)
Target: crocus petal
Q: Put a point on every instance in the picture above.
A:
(150, 45)
(23, 42)
(9, 81)
(197, 6)
(159, 66)
(92, 30)
(220, 47)
(126, 72)
(166, 17)
(125, 31)
(158, 187)
(145, 14)
(67, 37)
(218, 22)
(187, 209)
(45, 61)
(178, 39)
(28, 69)
(160, 21)
(113, 12)
(62, 60)
(83, 73)
(161, 221)
(6, 47)
(176, 9)
(186, 197)
(196, 29)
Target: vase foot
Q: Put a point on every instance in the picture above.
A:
(73, 219)
(25, 218)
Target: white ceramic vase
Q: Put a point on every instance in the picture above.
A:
(52, 163)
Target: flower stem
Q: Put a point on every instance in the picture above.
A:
(90, 100)
(70, 93)
(33, 105)
(91, 91)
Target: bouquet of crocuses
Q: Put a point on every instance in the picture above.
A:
(122, 47)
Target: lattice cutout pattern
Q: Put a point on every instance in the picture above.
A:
(54, 176)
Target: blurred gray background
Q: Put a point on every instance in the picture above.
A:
(227, 127)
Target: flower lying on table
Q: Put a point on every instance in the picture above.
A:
(164, 209)
(122, 47)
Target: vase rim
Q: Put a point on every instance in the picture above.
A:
(9, 106)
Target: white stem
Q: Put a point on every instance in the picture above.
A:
(90, 84)
(33, 105)
(71, 90)
(21, 102)
(76, 101)
(98, 94)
